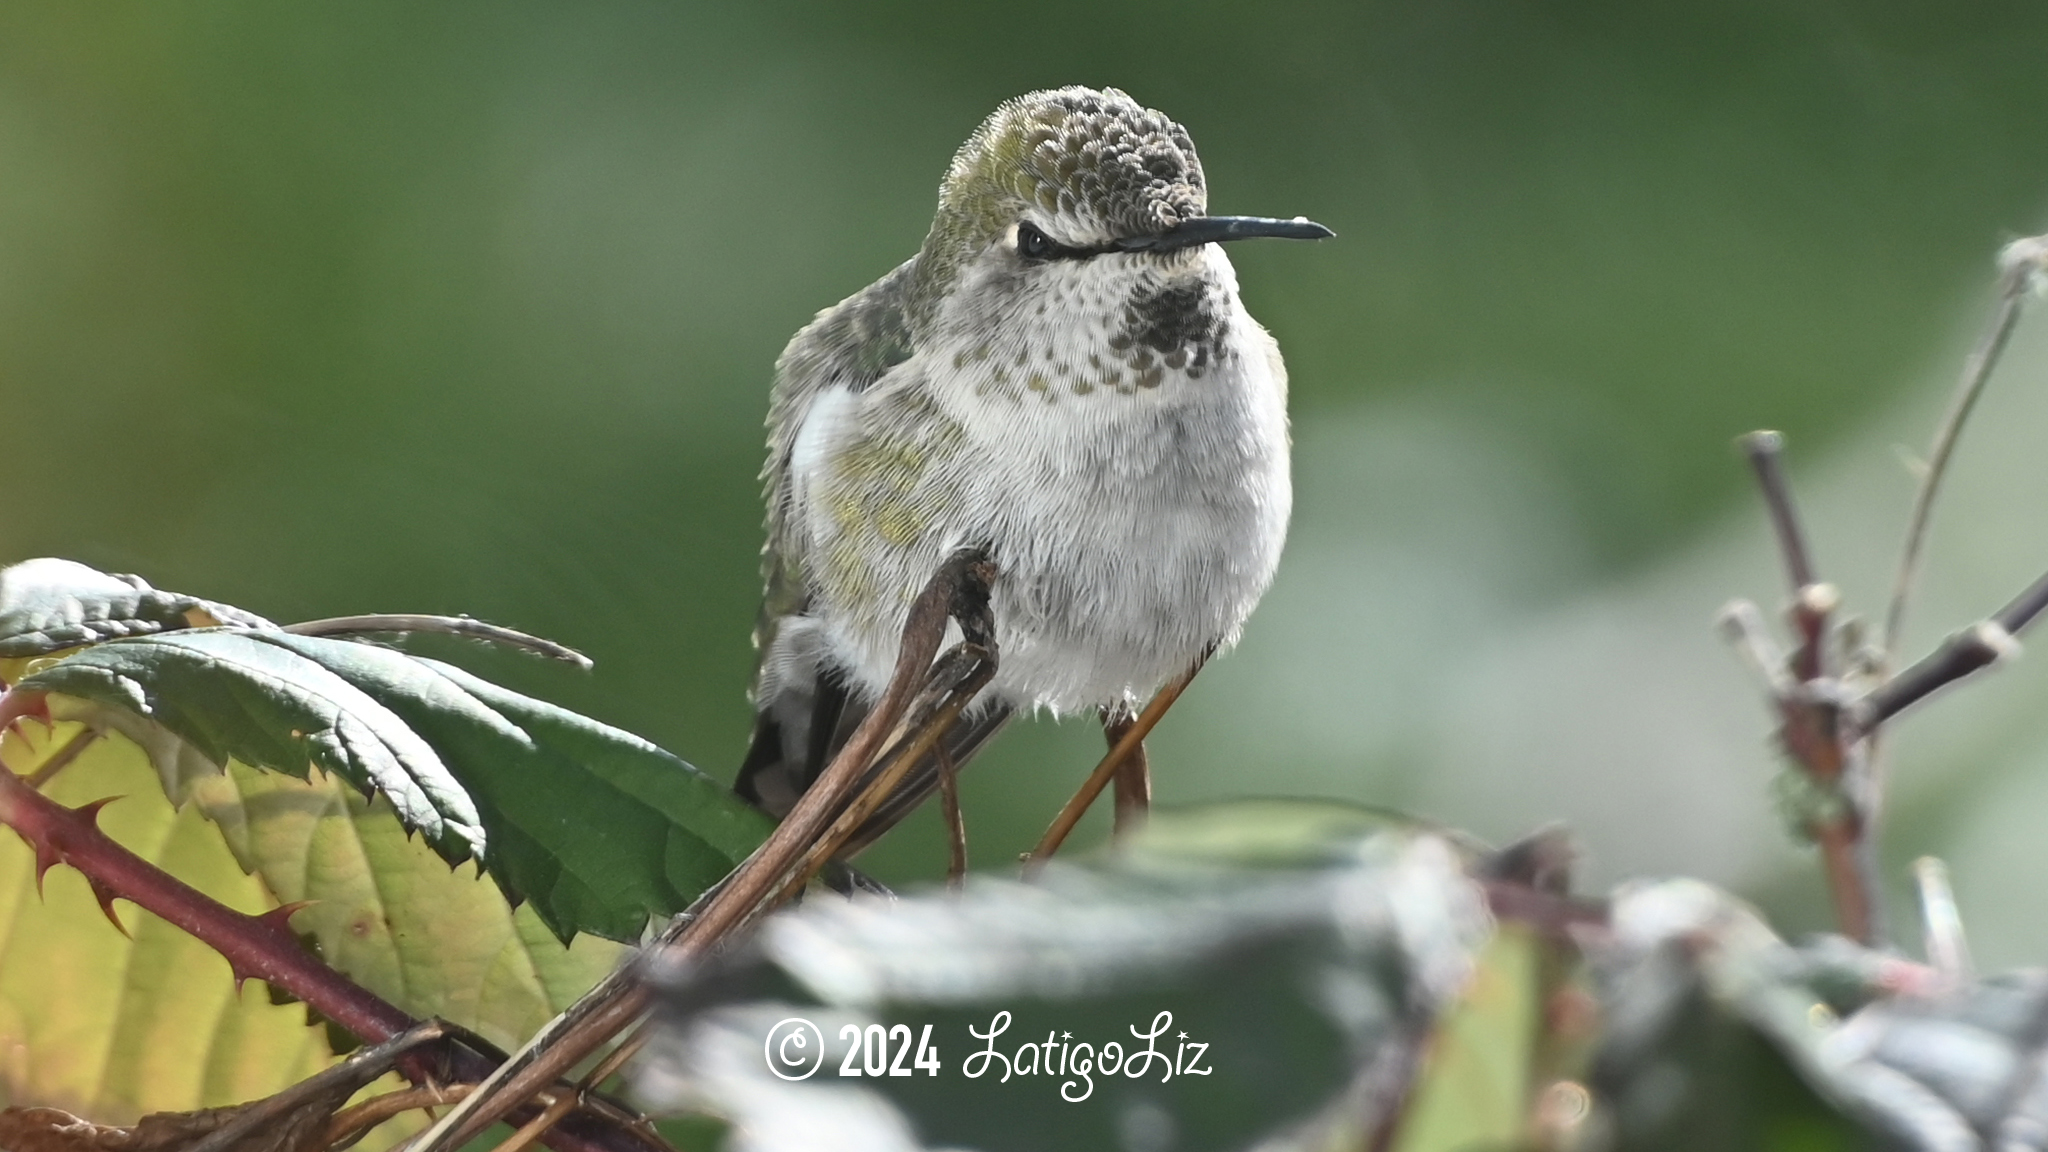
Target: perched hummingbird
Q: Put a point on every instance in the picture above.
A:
(1064, 376)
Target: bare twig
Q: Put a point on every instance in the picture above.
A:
(1131, 738)
(563, 1104)
(466, 626)
(352, 1124)
(1968, 651)
(326, 1089)
(2019, 264)
(579, 1030)
(61, 759)
(958, 678)
(956, 825)
(1766, 450)
(1812, 601)
(605, 1011)
(1853, 880)
(614, 1060)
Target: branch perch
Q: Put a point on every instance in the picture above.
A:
(957, 591)
(1809, 700)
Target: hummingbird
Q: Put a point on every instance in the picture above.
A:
(1062, 376)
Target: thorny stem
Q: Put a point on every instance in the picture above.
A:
(2019, 264)
(262, 947)
(741, 897)
(259, 947)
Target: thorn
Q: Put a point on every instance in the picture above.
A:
(279, 919)
(106, 897)
(90, 811)
(38, 711)
(47, 857)
(241, 975)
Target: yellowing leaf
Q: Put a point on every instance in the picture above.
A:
(109, 1027)
(390, 913)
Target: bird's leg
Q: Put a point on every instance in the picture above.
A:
(1133, 776)
(1126, 744)
(949, 804)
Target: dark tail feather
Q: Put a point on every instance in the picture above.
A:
(797, 735)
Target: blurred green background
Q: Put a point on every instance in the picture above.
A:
(472, 307)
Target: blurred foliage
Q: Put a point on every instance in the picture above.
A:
(471, 308)
(1281, 1008)
(1669, 1018)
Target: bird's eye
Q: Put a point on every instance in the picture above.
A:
(1033, 244)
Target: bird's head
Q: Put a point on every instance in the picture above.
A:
(1068, 176)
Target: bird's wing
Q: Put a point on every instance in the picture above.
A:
(848, 346)
(802, 710)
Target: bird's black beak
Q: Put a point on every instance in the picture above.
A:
(1217, 229)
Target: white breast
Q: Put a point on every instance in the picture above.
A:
(1133, 529)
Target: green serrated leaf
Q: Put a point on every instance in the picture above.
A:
(47, 605)
(229, 694)
(596, 827)
(390, 914)
(110, 1026)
